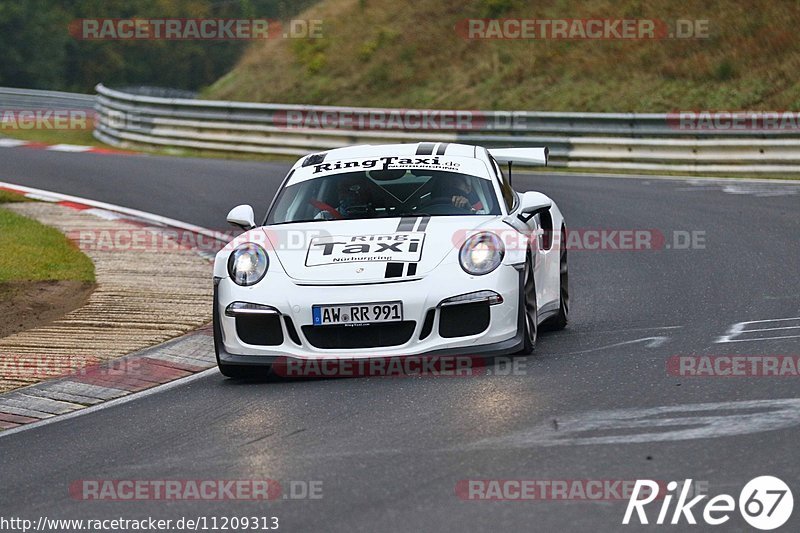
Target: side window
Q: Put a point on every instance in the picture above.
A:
(509, 197)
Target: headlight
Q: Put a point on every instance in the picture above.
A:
(247, 264)
(481, 254)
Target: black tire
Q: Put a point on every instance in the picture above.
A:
(530, 311)
(562, 318)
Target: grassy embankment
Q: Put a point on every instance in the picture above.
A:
(31, 251)
(396, 54)
(43, 275)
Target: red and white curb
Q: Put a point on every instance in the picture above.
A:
(71, 148)
(111, 211)
(116, 379)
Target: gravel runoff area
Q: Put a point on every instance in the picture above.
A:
(147, 293)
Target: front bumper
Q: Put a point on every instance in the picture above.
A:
(293, 303)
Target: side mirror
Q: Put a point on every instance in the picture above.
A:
(243, 217)
(532, 203)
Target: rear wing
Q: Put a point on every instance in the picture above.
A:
(521, 156)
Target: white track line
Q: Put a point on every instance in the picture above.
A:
(69, 148)
(11, 143)
(119, 209)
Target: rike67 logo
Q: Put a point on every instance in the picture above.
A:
(765, 503)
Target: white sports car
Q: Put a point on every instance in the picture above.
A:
(392, 250)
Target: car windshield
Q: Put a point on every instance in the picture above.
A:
(384, 193)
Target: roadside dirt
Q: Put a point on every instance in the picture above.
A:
(28, 304)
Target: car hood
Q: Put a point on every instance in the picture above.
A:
(368, 251)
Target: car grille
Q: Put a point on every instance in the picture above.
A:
(363, 336)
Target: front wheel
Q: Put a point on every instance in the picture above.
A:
(530, 310)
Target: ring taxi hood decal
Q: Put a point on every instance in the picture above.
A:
(403, 247)
(290, 244)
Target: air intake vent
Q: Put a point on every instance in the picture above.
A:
(291, 330)
(427, 326)
(464, 319)
(260, 330)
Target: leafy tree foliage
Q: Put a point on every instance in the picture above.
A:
(39, 52)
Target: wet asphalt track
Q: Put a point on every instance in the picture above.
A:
(390, 452)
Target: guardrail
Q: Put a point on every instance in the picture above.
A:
(628, 141)
(28, 99)
(613, 141)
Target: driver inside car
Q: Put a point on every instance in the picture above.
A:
(459, 190)
(353, 200)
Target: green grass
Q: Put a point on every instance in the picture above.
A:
(8, 197)
(210, 154)
(408, 54)
(80, 137)
(30, 251)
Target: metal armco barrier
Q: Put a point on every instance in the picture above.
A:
(612, 141)
(29, 99)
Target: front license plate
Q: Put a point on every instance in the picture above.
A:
(326, 315)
